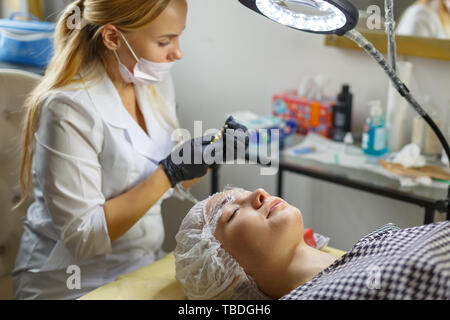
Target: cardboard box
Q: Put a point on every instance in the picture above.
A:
(311, 115)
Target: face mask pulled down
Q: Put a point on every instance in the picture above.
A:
(145, 72)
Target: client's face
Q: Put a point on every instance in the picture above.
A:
(256, 229)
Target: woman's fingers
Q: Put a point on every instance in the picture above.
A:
(233, 124)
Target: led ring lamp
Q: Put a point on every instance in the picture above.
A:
(324, 16)
(340, 17)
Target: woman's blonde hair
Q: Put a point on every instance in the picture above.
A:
(79, 46)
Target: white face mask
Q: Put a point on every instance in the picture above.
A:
(145, 72)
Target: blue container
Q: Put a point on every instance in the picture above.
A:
(375, 135)
(26, 42)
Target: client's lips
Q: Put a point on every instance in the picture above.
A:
(273, 205)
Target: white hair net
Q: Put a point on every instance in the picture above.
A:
(204, 269)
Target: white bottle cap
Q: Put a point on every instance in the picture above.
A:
(348, 139)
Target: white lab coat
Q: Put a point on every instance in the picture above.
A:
(88, 150)
(422, 21)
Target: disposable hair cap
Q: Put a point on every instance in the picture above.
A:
(204, 269)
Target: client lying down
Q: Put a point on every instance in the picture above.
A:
(249, 245)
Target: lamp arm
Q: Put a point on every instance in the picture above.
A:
(398, 84)
(390, 30)
(404, 91)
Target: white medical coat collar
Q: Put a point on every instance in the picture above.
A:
(157, 145)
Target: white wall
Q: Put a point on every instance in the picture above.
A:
(235, 59)
(52, 9)
(9, 6)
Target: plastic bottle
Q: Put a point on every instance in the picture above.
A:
(349, 145)
(418, 132)
(348, 141)
(422, 134)
(397, 109)
(343, 114)
(375, 136)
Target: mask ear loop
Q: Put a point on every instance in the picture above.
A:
(129, 47)
(117, 56)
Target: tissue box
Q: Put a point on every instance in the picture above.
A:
(311, 115)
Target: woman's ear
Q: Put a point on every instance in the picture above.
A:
(111, 37)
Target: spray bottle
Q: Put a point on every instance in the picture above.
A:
(422, 134)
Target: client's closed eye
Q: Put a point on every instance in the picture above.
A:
(233, 214)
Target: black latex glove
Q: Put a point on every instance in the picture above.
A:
(237, 141)
(179, 167)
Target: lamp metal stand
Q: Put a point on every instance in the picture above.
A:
(443, 205)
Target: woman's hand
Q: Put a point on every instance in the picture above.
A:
(235, 140)
(193, 158)
(187, 162)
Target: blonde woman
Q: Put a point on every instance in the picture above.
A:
(97, 147)
(426, 18)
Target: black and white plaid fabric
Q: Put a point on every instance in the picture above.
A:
(390, 263)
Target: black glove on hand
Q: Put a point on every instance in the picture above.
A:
(181, 167)
(202, 154)
(236, 140)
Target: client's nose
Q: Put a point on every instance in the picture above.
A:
(258, 197)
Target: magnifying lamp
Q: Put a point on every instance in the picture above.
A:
(323, 16)
(340, 17)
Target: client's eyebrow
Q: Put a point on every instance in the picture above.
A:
(224, 202)
(227, 198)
